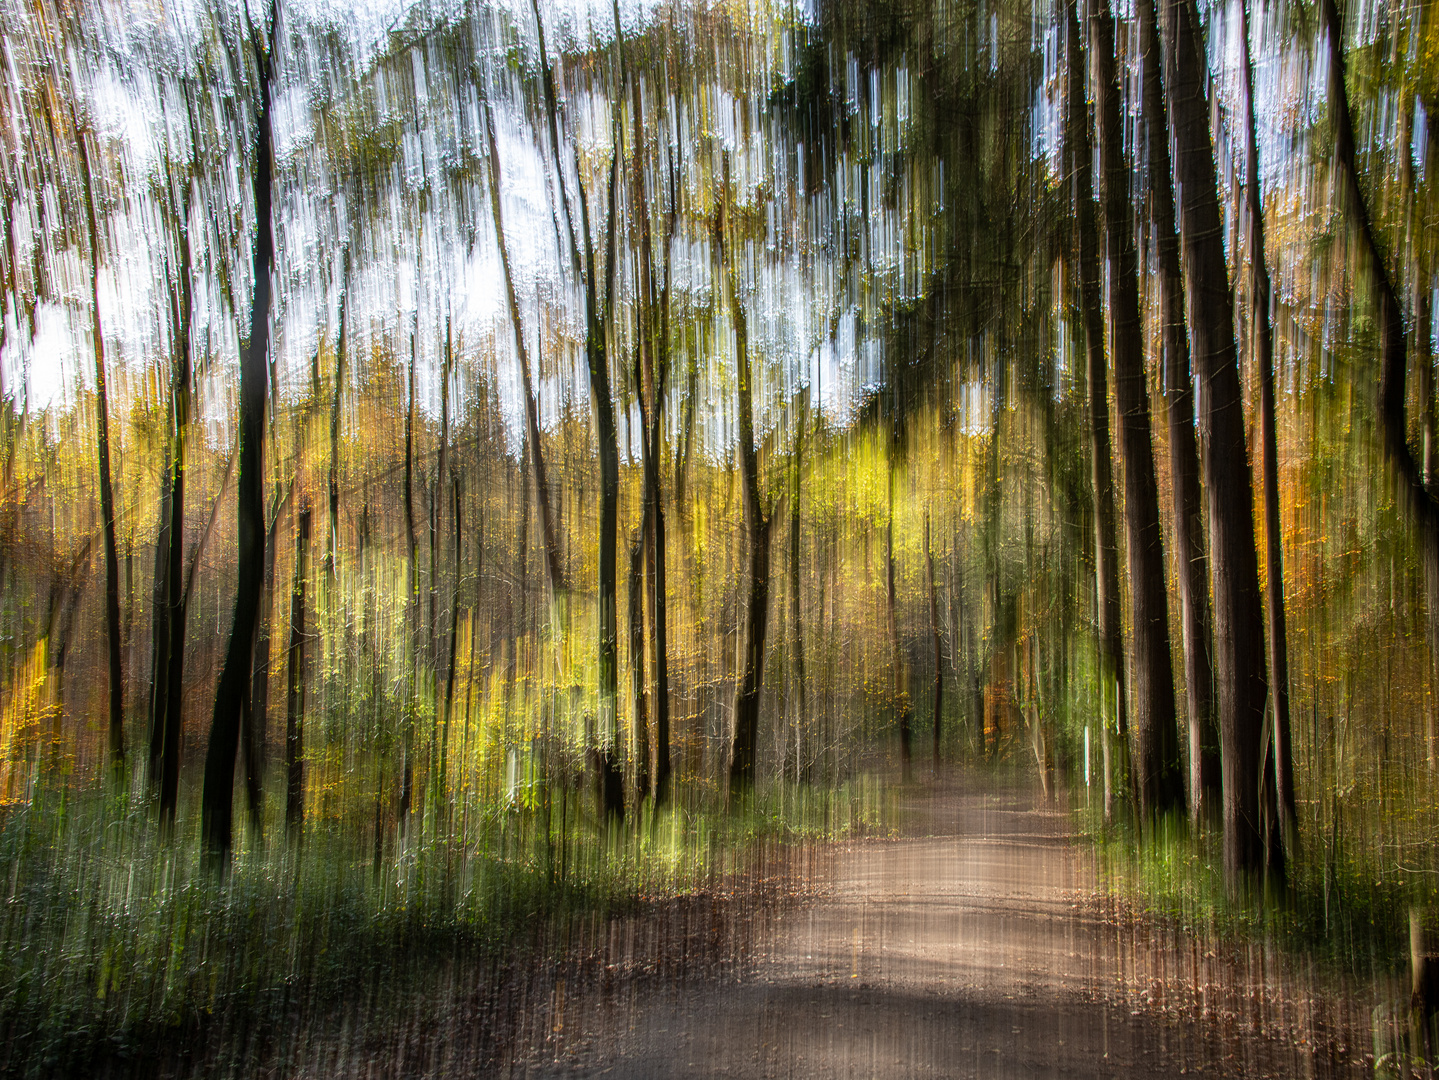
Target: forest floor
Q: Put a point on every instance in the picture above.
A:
(976, 943)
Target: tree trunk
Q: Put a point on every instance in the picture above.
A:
(1106, 557)
(254, 719)
(444, 756)
(935, 642)
(796, 609)
(651, 377)
(232, 692)
(1159, 775)
(107, 494)
(553, 568)
(640, 738)
(745, 732)
(1191, 558)
(1414, 499)
(171, 595)
(412, 704)
(295, 694)
(332, 537)
(1262, 351)
(897, 666)
(1251, 835)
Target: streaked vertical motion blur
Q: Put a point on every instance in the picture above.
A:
(821, 538)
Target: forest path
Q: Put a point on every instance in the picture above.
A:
(973, 946)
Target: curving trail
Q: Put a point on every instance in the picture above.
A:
(974, 947)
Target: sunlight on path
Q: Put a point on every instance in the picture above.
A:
(973, 947)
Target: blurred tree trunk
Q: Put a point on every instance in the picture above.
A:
(745, 732)
(796, 612)
(935, 641)
(896, 651)
(611, 778)
(651, 378)
(412, 606)
(553, 569)
(167, 672)
(1262, 352)
(1086, 250)
(1159, 775)
(456, 494)
(1422, 304)
(437, 524)
(1251, 834)
(332, 534)
(107, 494)
(1415, 500)
(598, 313)
(640, 738)
(295, 693)
(233, 690)
(1191, 558)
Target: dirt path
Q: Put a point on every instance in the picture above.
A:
(974, 947)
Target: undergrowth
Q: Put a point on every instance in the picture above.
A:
(113, 942)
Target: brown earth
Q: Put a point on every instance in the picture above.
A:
(977, 945)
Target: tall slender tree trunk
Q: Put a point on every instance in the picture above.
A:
(1191, 557)
(437, 523)
(232, 691)
(412, 704)
(935, 642)
(896, 651)
(171, 595)
(107, 494)
(255, 718)
(640, 737)
(332, 534)
(444, 756)
(1422, 305)
(1262, 351)
(744, 735)
(295, 694)
(1106, 555)
(1159, 775)
(1252, 843)
(651, 377)
(796, 609)
(553, 568)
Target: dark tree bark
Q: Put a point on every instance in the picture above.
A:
(233, 691)
(598, 313)
(745, 733)
(1159, 775)
(651, 377)
(1262, 351)
(295, 692)
(897, 665)
(407, 766)
(1106, 556)
(553, 567)
(107, 494)
(1191, 558)
(167, 699)
(332, 538)
(1252, 843)
(935, 642)
(255, 719)
(640, 738)
(456, 491)
(796, 609)
(1415, 500)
